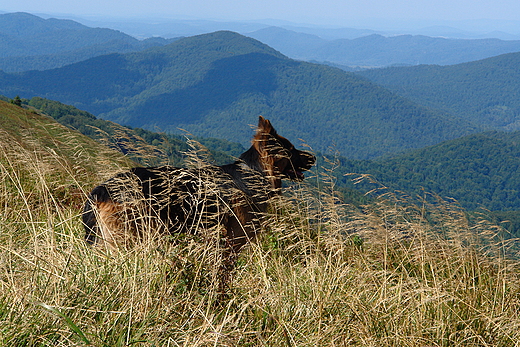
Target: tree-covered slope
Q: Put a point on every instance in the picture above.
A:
(480, 170)
(28, 42)
(486, 91)
(216, 85)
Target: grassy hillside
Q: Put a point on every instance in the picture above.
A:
(33, 43)
(216, 85)
(484, 92)
(145, 147)
(67, 162)
(27, 130)
(479, 171)
(324, 273)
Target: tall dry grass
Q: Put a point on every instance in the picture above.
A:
(393, 273)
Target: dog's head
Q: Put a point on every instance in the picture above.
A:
(278, 156)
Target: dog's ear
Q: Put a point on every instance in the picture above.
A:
(265, 126)
(265, 145)
(263, 140)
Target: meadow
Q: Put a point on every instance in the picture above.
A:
(395, 272)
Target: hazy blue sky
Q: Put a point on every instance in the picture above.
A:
(338, 12)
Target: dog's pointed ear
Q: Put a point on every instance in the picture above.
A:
(265, 126)
(265, 145)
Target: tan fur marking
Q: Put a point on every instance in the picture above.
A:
(241, 228)
(111, 223)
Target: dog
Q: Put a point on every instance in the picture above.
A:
(167, 199)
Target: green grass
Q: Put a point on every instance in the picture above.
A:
(393, 273)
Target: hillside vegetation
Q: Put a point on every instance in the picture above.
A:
(323, 273)
(483, 92)
(33, 43)
(143, 146)
(65, 161)
(216, 85)
(479, 171)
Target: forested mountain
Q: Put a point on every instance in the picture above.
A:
(216, 85)
(479, 170)
(28, 42)
(486, 92)
(378, 51)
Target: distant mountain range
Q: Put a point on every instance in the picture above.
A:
(216, 85)
(170, 27)
(28, 42)
(379, 51)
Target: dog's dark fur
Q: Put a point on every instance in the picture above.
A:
(136, 203)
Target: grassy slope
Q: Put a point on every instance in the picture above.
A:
(32, 142)
(394, 274)
(477, 170)
(145, 147)
(47, 170)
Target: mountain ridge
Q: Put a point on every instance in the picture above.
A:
(216, 85)
(29, 42)
(376, 50)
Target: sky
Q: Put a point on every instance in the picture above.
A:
(321, 12)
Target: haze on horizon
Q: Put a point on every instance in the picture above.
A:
(475, 15)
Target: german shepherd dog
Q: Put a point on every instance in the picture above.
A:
(167, 199)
